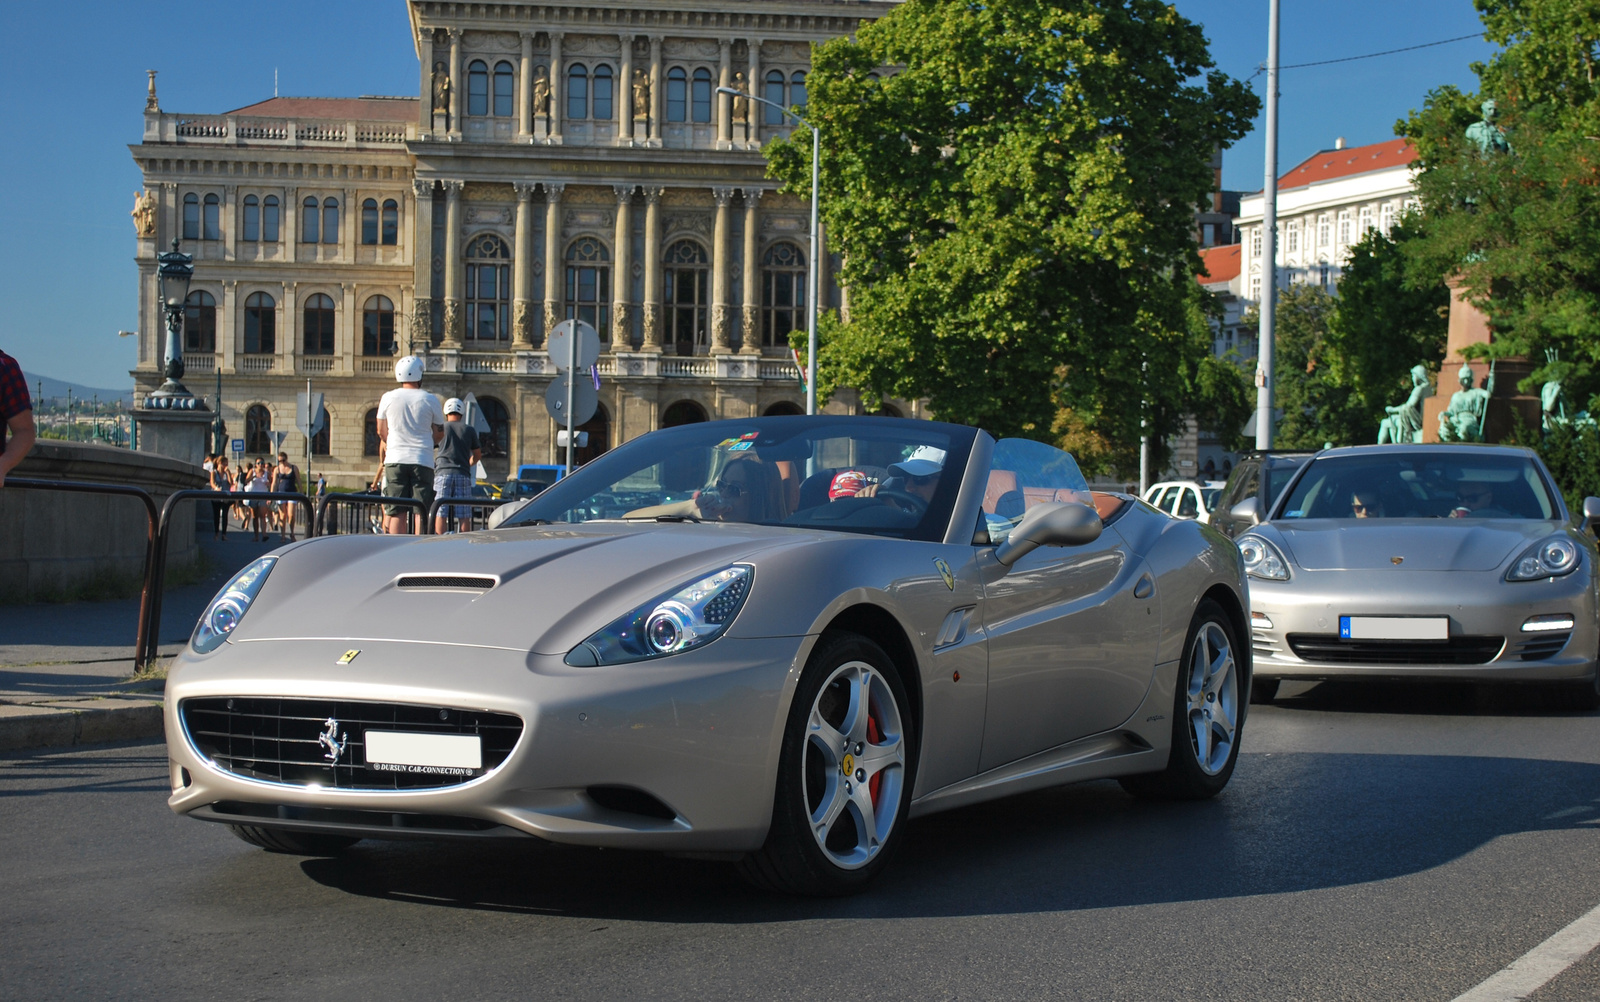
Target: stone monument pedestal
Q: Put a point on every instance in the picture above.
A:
(1468, 326)
(177, 434)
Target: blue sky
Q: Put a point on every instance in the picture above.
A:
(67, 279)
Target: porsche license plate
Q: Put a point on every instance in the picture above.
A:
(440, 754)
(1394, 628)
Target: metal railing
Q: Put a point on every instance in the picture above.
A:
(471, 502)
(327, 501)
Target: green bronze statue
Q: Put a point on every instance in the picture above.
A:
(1463, 420)
(1404, 423)
(1486, 135)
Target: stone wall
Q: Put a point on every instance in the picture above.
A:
(53, 543)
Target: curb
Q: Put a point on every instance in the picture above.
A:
(86, 722)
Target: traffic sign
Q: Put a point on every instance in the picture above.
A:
(585, 401)
(474, 414)
(561, 348)
(238, 446)
(320, 420)
(277, 439)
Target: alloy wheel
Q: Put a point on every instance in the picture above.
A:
(1213, 700)
(855, 764)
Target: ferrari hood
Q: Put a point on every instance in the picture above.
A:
(1421, 544)
(539, 589)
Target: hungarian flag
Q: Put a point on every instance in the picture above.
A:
(800, 367)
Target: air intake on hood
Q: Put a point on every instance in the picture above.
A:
(445, 581)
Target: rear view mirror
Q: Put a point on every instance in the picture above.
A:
(500, 515)
(1053, 523)
(1591, 510)
(1248, 510)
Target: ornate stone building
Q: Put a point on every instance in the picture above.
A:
(566, 161)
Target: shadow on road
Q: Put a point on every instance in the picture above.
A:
(1456, 699)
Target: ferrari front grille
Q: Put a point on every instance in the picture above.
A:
(322, 742)
(1330, 649)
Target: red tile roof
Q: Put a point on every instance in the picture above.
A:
(343, 109)
(1221, 264)
(1329, 164)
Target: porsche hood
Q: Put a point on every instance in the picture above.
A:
(1422, 544)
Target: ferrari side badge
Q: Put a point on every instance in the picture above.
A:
(946, 573)
(349, 656)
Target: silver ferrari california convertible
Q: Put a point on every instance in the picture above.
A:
(771, 641)
(1439, 562)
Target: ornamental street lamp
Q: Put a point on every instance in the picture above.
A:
(174, 269)
(811, 271)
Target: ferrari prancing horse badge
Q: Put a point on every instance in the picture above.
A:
(946, 573)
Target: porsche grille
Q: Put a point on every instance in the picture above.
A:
(1330, 649)
(278, 740)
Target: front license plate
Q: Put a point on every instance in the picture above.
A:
(439, 754)
(1394, 628)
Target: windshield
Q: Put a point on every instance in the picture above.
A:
(1209, 496)
(1421, 484)
(879, 475)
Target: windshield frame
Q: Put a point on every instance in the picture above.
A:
(1465, 452)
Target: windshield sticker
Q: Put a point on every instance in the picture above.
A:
(740, 446)
(726, 442)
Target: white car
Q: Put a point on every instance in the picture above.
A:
(1185, 498)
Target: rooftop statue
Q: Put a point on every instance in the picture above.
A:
(541, 91)
(1487, 136)
(441, 89)
(641, 94)
(1404, 423)
(144, 214)
(1463, 420)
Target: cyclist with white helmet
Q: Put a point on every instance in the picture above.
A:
(458, 452)
(410, 424)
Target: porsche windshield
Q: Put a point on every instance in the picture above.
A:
(1422, 484)
(878, 475)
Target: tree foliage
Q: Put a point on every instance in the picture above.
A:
(1012, 188)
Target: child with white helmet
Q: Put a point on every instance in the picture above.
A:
(410, 424)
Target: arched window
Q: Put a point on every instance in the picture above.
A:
(369, 433)
(309, 216)
(502, 90)
(683, 412)
(496, 444)
(319, 441)
(252, 219)
(677, 95)
(783, 294)
(212, 229)
(269, 219)
(797, 91)
(369, 221)
(391, 223)
(602, 107)
(330, 220)
(589, 283)
(200, 322)
(318, 327)
(774, 116)
(599, 429)
(702, 95)
(687, 277)
(191, 216)
(257, 430)
(377, 327)
(477, 88)
(260, 324)
(578, 91)
(488, 289)
(783, 408)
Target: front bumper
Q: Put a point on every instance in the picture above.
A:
(1478, 605)
(699, 732)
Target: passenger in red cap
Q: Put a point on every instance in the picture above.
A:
(846, 484)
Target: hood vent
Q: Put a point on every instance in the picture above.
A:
(445, 581)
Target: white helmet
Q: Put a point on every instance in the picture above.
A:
(408, 370)
(454, 406)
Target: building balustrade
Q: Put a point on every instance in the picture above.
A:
(316, 365)
(255, 364)
(199, 363)
(235, 130)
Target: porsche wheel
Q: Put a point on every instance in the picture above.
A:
(844, 776)
(1207, 716)
(293, 843)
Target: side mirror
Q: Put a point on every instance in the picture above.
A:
(1054, 523)
(1591, 511)
(498, 517)
(1248, 510)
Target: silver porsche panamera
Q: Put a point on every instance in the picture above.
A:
(771, 641)
(1435, 562)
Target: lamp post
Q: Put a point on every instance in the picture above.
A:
(174, 269)
(812, 272)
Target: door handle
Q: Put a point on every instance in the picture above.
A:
(1144, 588)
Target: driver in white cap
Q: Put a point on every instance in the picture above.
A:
(410, 424)
(917, 474)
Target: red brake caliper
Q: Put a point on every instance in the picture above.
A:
(872, 738)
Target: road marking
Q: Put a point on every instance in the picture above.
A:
(1534, 969)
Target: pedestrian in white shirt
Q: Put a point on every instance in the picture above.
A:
(410, 424)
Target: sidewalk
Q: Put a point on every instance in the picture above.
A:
(66, 671)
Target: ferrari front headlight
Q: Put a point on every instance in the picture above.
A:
(1262, 559)
(1548, 558)
(687, 618)
(222, 616)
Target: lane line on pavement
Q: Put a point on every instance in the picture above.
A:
(1540, 965)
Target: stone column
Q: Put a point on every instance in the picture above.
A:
(652, 269)
(522, 269)
(553, 272)
(753, 117)
(525, 98)
(288, 345)
(724, 102)
(452, 263)
(625, 93)
(556, 110)
(655, 89)
(622, 275)
(349, 225)
(719, 270)
(347, 341)
(421, 265)
(228, 327)
(750, 322)
(425, 53)
(230, 221)
(455, 82)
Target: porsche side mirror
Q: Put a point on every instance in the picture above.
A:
(1591, 511)
(498, 517)
(1054, 523)
(1248, 510)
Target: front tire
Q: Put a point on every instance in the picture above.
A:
(293, 843)
(845, 774)
(1207, 717)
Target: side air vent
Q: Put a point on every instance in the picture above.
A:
(628, 800)
(954, 628)
(445, 581)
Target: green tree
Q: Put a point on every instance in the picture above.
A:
(1313, 404)
(1012, 187)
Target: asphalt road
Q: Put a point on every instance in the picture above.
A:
(1374, 844)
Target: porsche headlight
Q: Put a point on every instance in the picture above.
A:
(222, 616)
(1549, 558)
(690, 617)
(1262, 559)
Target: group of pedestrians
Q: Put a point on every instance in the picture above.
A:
(425, 450)
(262, 517)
